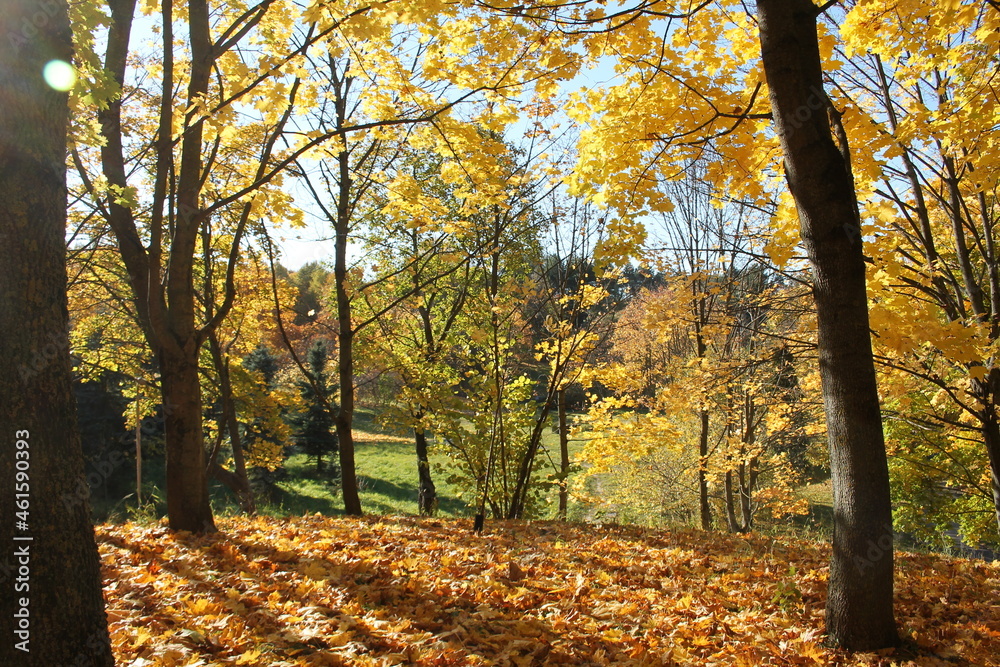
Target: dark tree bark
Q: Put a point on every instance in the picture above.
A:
(345, 328)
(748, 482)
(563, 455)
(990, 428)
(51, 604)
(859, 613)
(522, 483)
(166, 312)
(701, 319)
(745, 473)
(188, 506)
(734, 525)
(237, 479)
(704, 507)
(427, 501)
(159, 250)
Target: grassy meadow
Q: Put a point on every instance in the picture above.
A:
(387, 477)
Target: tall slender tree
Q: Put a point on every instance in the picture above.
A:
(48, 618)
(661, 114)
(859, 613)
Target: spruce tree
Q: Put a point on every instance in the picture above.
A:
(314, 426)
(263, 361)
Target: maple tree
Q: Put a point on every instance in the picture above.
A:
(190, 142)
(107, 338)
(423, 273)
(400, 81)
(652, 451)
(48, 618)
(577, 310)
(488, 429)
(661, 114)
(105, 333)
(227, 419)
(439, 243)
(201, 173)
(931, 208)
(576, 319)
(393, 118)
(752, 327)
(520, 305)
(859, 608)
(701, 236)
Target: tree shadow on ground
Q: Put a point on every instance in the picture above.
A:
(328, 607)
(404, 590)
(401, 494)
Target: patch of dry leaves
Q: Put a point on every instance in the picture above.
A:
(395, 591)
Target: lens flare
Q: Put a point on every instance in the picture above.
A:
(59, 74)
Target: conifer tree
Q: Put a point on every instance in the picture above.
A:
(263, 361)
(314, 426)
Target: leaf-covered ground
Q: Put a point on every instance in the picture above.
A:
(335, 591)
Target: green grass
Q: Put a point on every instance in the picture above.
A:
(387, 479)
(387, 476)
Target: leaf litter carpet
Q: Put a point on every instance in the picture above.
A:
(317, 591)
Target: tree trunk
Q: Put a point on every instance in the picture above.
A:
(747, 470)
(705, 509)
(734, 525)
(345, 348)
(427, 501)
(748, 482)
(237, 481)
(480, 520)
(859, 612)
(522, 483)
(563, 456)
(244, 493)
(138, 453)
(166, 309)
(991, 439)
(51, 609)
(497, 436)
(188, 506)
(701, 317)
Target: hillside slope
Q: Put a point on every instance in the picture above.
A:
(392, 591)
